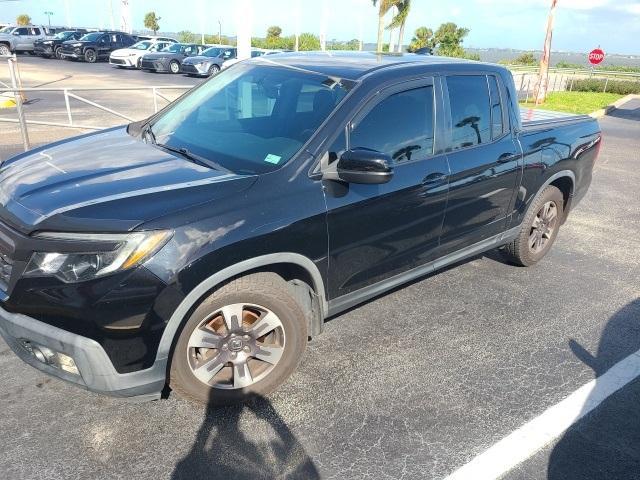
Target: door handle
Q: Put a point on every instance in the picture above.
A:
(434, 178)
(507, 157)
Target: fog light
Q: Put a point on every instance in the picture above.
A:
(66, 363)
(49, 357)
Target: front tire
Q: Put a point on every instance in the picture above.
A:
(4, 49)
(243, 340)
(90, 56)
(539, 229)
(58, 53)
(213, 69)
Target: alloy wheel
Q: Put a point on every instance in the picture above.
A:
(543, 227)
(236, 346)
(4, 50)
(174, 67)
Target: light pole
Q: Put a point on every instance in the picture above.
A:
(219, 32)
(48, 14)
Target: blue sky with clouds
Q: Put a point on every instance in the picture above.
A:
(580, 24)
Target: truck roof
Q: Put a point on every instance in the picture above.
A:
(355, 65)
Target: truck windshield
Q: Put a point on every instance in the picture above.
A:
(7, 29)
(252, 118)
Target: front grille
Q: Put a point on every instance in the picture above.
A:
(147, 64)
(117, 61)
(188, 68)
(6, 265)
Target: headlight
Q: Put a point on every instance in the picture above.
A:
(128, 251)
(77, 45)
(47, 42)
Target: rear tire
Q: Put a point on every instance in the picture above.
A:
(267, 343)
(90, 56)
(539, 229)
(174, 67)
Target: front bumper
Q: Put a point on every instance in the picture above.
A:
(96, 372)
(122, 61)
(154, 65)
(44, 50)
(74, 55)
(195, 69)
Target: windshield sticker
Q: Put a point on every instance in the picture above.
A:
(271, 158)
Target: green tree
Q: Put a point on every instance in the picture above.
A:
(449, 38)
(308, 41)
(23, 19)
(527, 58)
(274, 32)
(423, 37)
(185, 36)
(400, 20)
(151, 22)
(383, 7)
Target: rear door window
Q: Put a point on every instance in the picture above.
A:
(470, 110)
(401, 126)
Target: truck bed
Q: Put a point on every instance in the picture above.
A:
(533, 118)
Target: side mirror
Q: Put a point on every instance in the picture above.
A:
(364, 166)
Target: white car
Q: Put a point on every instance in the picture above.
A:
(131, 57)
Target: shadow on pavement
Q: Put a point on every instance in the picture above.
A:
(605, 444)
(628, 111)
(264, 448)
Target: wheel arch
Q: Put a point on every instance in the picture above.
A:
(286, 264)
(565, 181)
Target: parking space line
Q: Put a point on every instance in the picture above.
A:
(534, 435)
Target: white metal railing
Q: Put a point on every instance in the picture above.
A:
(72, 93)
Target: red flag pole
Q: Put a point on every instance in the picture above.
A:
(543, 75)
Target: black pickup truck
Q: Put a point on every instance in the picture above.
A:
(202, 247)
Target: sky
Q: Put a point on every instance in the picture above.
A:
(580, 26)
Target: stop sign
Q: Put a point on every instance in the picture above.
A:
(596, 56)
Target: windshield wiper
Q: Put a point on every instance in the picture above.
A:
(193, 157)
(148, 133)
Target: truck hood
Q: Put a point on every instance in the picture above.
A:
(106, 181)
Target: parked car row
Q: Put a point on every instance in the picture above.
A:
(122, 50)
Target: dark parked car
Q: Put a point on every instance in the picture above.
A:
(52, 47)
(170, 59)
(95, 46)
(203, 246)
(209, 62)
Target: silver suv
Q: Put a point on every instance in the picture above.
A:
(20, 39)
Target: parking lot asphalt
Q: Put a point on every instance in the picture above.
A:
(49, 106)
(413, 384)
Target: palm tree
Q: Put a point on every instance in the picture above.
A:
(400, 20)
(423, 37)
(383, 8)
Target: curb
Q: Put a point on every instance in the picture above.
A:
(614, 106)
